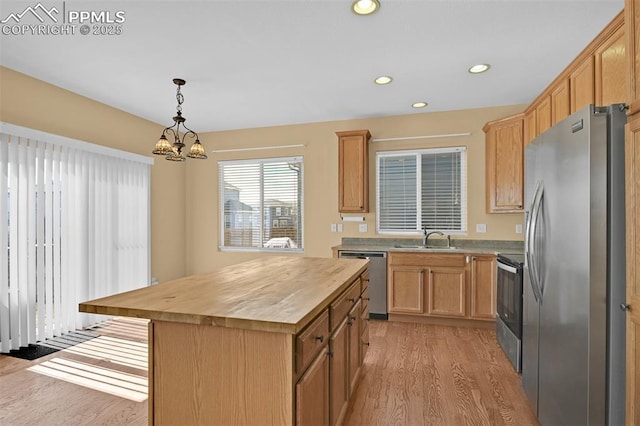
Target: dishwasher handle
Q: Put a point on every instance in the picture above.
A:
(361, 255)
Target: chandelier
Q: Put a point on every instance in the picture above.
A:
(173, 152)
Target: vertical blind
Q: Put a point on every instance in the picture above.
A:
(421, 189)
(261, 204)
(76, 228)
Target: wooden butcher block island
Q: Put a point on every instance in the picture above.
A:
(272, 341)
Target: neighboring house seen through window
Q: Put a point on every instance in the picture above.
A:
(261, 204)
(422, 189)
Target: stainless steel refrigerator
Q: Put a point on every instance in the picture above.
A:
(573, 362)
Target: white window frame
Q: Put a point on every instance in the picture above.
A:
(221, 212)
(418, 153)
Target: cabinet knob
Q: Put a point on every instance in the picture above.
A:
(366, 343)
(352, 300)
(366, 298)
(320, 339)
(625, 307)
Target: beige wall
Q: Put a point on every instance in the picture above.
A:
(184, 197)
(32, 103)
(321, 177)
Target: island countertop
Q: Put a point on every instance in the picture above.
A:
(279, 294)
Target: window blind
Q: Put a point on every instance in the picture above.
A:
(261, 204)
(421, 189)
(76, 228)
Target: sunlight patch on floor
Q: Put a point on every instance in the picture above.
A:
(110, 349)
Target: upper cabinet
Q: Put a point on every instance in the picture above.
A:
(560, 101)
(611, 69)
(597, 76)
(582, 85)
(353, 171)
(504, 144)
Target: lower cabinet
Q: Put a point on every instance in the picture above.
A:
(353, 323)
(447, 292)
(312, 393)
(338, 367)
(483, 287)
(405, 289)
(442, 285)
(324, 390)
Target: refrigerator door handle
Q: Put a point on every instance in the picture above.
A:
(530, 247)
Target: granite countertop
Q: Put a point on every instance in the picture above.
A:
(280, 294)
(435, 246)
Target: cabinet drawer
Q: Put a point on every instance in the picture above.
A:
(364, 313)
(364, 280)
(311, 340)
(365, 299)
(343, 304)
(424, 259)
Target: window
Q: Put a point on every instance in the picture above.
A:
(75, 227)
(261, 204)
(422, 189)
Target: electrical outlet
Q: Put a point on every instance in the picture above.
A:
(481, 227)
(334, 227)
(519, 228)
(340, 227)
(362, 227)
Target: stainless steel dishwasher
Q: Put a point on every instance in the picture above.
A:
(377, 280)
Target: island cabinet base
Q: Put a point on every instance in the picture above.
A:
(205, 375)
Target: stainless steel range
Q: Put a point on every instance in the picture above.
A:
(509, 307)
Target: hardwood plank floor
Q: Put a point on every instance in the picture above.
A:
(418, 374)
(414, 374)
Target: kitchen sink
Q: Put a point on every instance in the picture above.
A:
(424, 247)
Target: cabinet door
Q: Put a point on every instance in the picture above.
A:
(560, 102)
(543, 114)
(632, 201)
(405, 289)
(504, 166)
(353, 171)
(483, 287)
(339, 378)
(447, 292)
(611, 70)
(582, 85)
(353, 323)
(312, 393)
(530, 126)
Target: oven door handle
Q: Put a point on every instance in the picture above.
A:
(507, 268)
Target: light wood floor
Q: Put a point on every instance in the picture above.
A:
(414, 374)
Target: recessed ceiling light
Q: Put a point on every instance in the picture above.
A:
(419, 105)
(479, 68)
(365, 7)
(383, 79)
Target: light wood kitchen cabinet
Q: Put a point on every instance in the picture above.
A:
(353, 171)
(632, 202)
(581, 83)
(543, 114)
(405, 289)
(447, 292)
(560, 101)
(312, 393)
(439, 284)
(611, 69)
(354, 324)
(339, 373)
(530, 125)
(505, 165)
(483, 287)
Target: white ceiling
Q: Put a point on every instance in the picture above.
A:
(265, 63)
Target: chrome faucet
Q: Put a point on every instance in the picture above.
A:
(426, 235)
